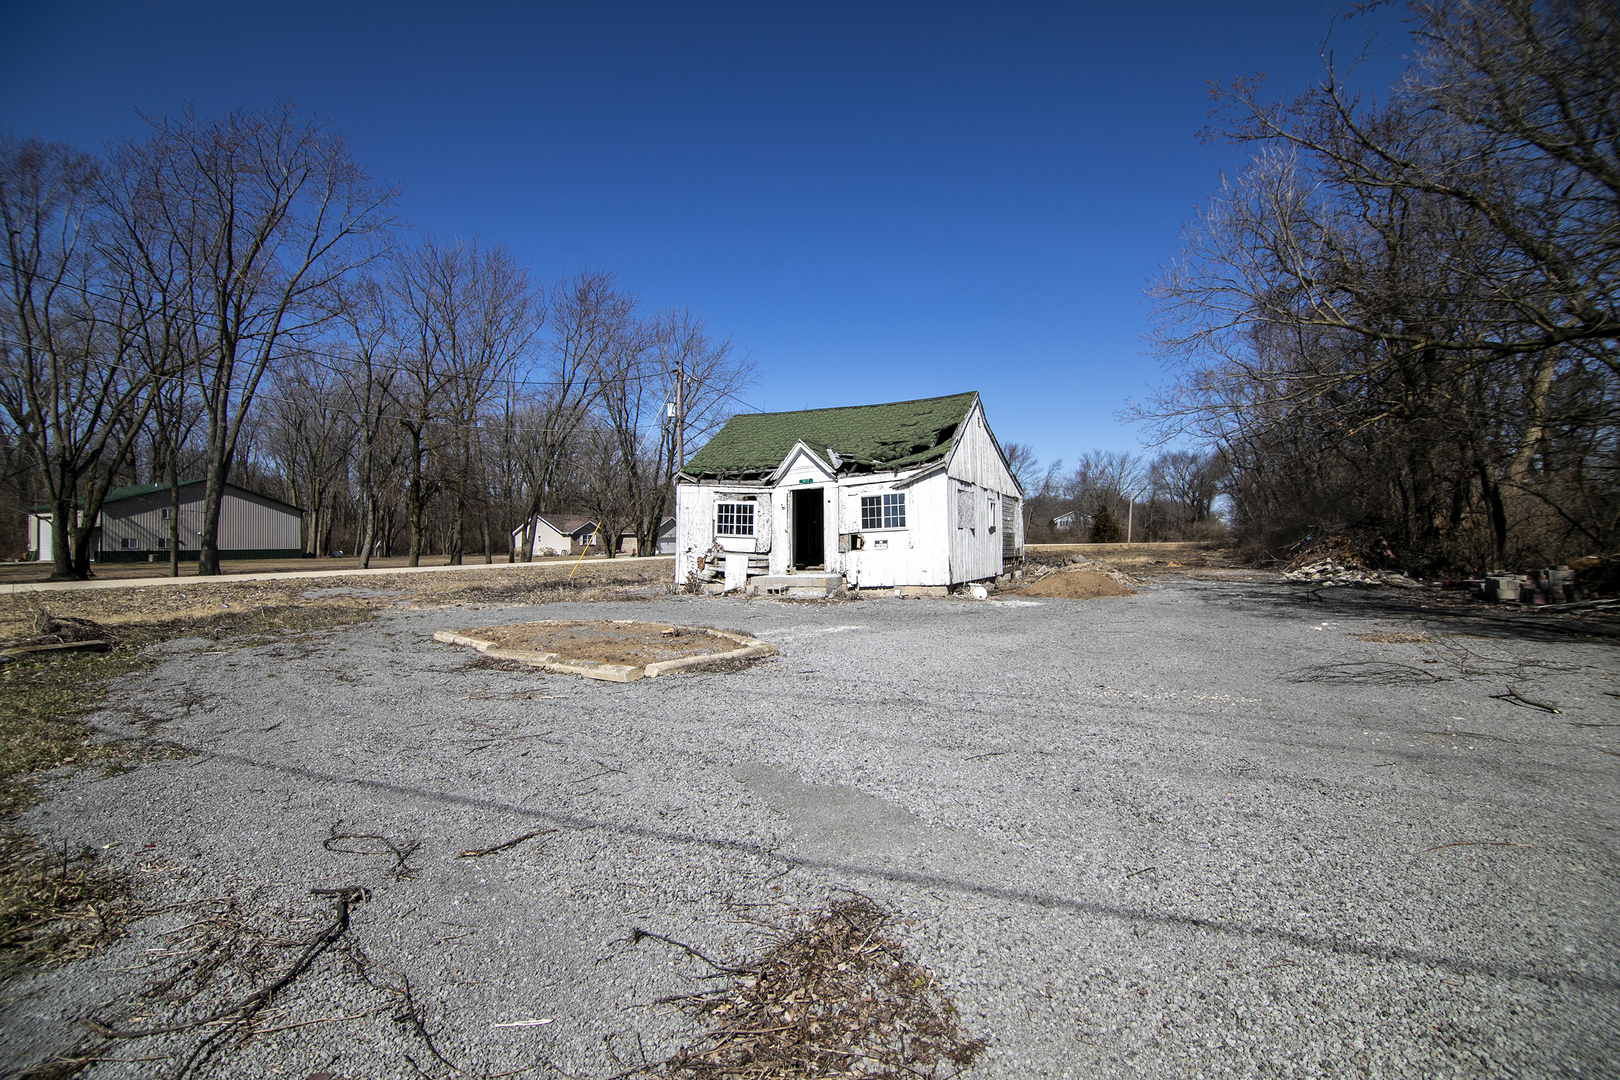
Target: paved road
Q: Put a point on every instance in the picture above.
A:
(1218, 828)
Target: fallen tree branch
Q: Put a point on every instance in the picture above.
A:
(478, 853)
(1514, 695)
(242, 1011)
(637, 933)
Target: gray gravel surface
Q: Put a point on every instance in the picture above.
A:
(1207, 830)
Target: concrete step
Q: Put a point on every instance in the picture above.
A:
(797, 584)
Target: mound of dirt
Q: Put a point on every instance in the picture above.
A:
(1077, 585)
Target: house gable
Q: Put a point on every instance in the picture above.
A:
(801, 466)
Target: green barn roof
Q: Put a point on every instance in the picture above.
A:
(898, 435)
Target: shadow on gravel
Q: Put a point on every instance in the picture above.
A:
(1338, 945)
(1456, 615)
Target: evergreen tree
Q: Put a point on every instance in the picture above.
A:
(1104, 529)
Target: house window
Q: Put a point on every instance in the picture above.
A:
(163, 543)
(964, 506)
(883, 511)
(734, 519)
(166, 512)
(127, 543)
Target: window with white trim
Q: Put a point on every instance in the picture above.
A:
(165, 512)
(127, 543)
(734, 519)
(883, 511)
(163, 543)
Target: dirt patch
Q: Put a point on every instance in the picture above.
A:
(1077, 585)
(1386, 637)
(604, 642)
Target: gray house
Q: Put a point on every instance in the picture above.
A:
(134, 525)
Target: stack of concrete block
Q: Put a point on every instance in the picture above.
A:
(1538, 587)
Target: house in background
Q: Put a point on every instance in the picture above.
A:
(663, 541)
(1073, 521)
(134, 525)
(912, 493)
(571, 534)
(558, 534)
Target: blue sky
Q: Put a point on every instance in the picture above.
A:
(875, 201)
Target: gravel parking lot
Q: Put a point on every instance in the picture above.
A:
(1223, 827)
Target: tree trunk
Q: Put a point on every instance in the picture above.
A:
(457, 520)
(174, 517)
(61, 549)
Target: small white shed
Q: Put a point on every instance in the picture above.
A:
(900, 494)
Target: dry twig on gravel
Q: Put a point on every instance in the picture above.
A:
(478, 853)
(401, 851)
(1514, 695)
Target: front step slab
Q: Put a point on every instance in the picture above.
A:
(797, 584)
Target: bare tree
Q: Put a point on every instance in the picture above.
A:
(1404, 314)
(368, 366)
(588, 317)
(71, 382)
(266, 211)
(311, 435)
(469, 315)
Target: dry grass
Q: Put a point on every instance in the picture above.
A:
(832, 997)
(54, 905)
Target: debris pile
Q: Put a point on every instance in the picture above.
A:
(1552, 587)
(1331, 571)
(833, 997)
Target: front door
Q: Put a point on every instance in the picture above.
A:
(809, 535)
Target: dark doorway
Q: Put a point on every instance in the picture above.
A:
(809, 537)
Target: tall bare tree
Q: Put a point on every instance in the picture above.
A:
(469, 315)
(1405, 314)
(266, 210)
(72, 384)
(588, 317)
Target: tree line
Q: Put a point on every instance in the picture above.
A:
(1400, 317)
(1171, 496)
(234, 299)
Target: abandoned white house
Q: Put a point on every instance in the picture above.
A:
(903, 494)
(134, 525)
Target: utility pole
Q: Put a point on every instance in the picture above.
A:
(680, 413)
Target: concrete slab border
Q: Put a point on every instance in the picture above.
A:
(748, 649)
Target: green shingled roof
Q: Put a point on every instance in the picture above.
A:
(899, 435)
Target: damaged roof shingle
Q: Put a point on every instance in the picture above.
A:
(897, 435)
